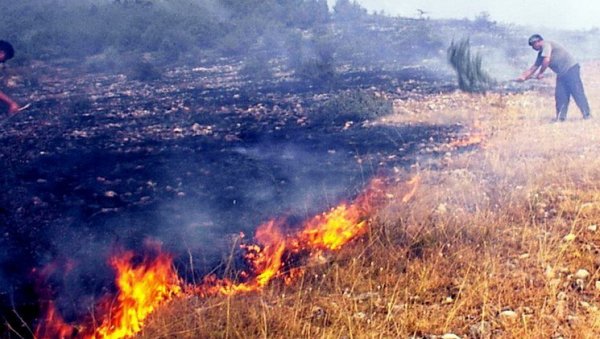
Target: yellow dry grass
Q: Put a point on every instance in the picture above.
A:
(492, 244)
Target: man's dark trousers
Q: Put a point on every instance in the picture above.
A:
(567, 85)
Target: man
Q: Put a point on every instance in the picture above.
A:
(7, 52)
(568, 79)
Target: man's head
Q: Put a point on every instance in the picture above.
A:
(6, 51)
(536, 41)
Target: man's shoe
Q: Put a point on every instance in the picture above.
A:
(586, 117)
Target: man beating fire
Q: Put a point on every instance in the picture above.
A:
(6, 53)
(568, 79)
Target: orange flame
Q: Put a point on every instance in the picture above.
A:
(141, 289)
(334, 229)
(470, 140)
(54, 326)
(265, 261)
(327, 231)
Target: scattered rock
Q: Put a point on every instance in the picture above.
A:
(582, 274)
(450, 336)
(448, 300)
(509, 315)
(592, 228)
(569, 237)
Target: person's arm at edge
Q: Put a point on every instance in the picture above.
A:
(13, 107)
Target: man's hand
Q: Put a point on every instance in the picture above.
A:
(520, 79)
(13, 108)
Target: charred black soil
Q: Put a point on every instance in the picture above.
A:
(100, 162)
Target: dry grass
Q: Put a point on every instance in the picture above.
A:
(488, 247)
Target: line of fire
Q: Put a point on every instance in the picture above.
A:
(145, 285)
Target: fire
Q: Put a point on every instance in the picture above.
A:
(54, 326)
(265, 261)
(327, 231)
(141, 289)
(334, 229)
(474, 137)
(469, 140)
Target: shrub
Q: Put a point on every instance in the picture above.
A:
(471, 76)
(313, 59)
(256, 67)
(357, 105)
(143, 71)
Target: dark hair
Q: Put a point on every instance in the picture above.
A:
(534, 38)
(7, 48)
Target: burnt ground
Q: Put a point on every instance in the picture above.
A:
(101, 162)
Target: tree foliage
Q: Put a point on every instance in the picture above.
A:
(45, 29)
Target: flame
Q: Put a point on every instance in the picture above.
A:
(53, 325)
(469, 140)
(327, 231)
(334, 229)
(141, 289)
(265, 261)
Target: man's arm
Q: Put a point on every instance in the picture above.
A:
(545, 64)
(13, 107)
(528, 73)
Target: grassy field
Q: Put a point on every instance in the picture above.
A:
(500, 240)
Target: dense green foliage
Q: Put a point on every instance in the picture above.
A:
(44, 29)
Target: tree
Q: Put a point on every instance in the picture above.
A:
(344, 10)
